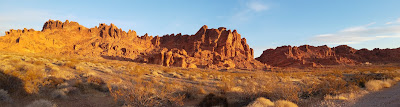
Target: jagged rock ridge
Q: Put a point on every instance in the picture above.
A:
(208, 48)
(311, 56)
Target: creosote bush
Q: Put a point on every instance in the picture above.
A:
(42, 103)
(4, 96)
(146, 94)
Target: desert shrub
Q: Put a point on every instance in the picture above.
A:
(375, 85)
(42, 103)
(52, 82)
(11, 83)
(191, 92)
(80, 68)
(13, 59)
(82, 86)
(261, 102)
(213, 100)
(138, 70)
(107, 70)
(97, 83)
(168, 70)
(332, 86)
(71, 63)
(285, 103)
(52, 68)
(285, 91)
(38, 62)
(146, 95)
(58, 94)
(361, 78)
(343, 96)
(33, 79)
(4, 97)
(192, 78)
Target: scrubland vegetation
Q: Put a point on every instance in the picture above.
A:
(33, 80)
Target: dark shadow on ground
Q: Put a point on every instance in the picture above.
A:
(12, 84)
(117, 58)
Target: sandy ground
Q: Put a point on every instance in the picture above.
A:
(389, 97)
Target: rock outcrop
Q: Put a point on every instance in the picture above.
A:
(310, 56)
(208, 48)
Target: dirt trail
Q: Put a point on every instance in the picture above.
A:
(389, 97)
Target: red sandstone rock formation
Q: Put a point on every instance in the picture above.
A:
(208, 48)
(310, 56)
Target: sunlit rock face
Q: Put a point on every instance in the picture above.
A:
(208, 48)
(311, 56)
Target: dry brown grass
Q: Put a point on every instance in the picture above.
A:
(146, 94)
(284, 103)
(375, 85)
(152, 85)
(42, 103)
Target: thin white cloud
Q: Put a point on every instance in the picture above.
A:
(257, 6)
(357, 28)
(248, 11)
(358, 34)
(394, 22)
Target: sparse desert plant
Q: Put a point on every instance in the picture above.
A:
(138, 70)
(11, 83)
(80, 68)
(261, 102)
(58, 94)
(192, 78)
(4, 97)
(107, 70)
(71, 63)
(285, 103)
(42, 103)
(192, 92)
(396, 79)
(51, 67)
(212, 100)
(38, 62)
(53, 82)
(285, 91)
(332, 86)
(375, 85)
(97, 83)
(145, 95)
(168, 70)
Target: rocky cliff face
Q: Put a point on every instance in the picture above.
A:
(208, 48)
(310, 56)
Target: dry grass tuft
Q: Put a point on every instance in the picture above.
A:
(261, 102)
(146, 94)
(212, 100)
(97, 83)
(4, 97)
(42, 103)
(375, 85)
(285, 103)
(58, 94)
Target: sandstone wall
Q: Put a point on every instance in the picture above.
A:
(208, 48)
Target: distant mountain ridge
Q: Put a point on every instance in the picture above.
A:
(311, 56)
(208, 48)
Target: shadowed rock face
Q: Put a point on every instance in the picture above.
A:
(310, 56)
(208, 48)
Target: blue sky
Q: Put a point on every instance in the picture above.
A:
(264, 23)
